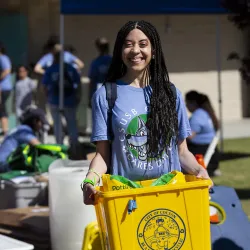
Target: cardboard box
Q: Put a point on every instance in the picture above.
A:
(17, 217)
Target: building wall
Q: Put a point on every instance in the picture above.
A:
(189, 45)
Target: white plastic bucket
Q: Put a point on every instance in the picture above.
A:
(68, 215)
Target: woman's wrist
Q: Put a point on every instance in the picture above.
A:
(93, 177)
(85, 182)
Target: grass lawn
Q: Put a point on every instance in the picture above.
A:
(235, 167)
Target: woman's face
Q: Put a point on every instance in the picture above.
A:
(136, 51)
(191, 106)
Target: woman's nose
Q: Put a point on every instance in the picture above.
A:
(135, 49)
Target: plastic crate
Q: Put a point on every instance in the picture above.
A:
(19, 195)
(92, 239)
(167, 217)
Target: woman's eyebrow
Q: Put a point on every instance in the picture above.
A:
(142, 40)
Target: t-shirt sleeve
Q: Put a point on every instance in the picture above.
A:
(25, 137)
(69, 58)
(100, 116)
(44, 60)
(183, 122)
(5, 63)
(196, 122)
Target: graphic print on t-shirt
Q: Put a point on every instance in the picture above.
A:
(137, 137)
(134, 138)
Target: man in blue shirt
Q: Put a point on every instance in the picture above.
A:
(99, 66)
(33, 121)
(71, 84)
(5, 87)
(47, 60)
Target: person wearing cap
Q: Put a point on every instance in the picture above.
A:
(33, 121)
(47, 60)
(99, 66)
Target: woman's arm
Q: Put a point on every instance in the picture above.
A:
(192, 135)
(4, 73)
(39, 69)
(34, 142)
(189, 163)
(79, 63)
(101, 161)
(100, 165)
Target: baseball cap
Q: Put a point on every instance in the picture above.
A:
(34, 112)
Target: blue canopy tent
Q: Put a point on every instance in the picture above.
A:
(109, 7)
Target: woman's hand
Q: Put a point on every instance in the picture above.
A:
(89, 192)
(203, 174)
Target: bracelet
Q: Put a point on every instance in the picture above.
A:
(96, 173)
(87, 181)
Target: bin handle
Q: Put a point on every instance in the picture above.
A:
(131, 206)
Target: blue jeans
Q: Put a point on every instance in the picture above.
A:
(70, 117)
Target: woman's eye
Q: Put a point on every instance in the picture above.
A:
(128, 44)
(142, 45)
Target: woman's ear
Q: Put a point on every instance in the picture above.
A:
(153, 54)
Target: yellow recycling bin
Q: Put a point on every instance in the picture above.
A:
(156, 218)
(91, 240)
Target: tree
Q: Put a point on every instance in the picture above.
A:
(240, 16)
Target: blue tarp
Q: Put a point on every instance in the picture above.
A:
(141, 7)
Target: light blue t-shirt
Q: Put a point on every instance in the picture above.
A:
(47, 60)
(202, 125)
(129, 158)
(5, 83)
(22, 134)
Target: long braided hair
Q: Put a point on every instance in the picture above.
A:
(162, 123)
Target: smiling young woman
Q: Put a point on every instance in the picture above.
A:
(149, 121)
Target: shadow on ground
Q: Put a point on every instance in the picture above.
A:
(233, 156)
(244, 194)
(224, 243)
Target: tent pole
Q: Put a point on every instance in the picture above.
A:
(61, 72)
(218, 64)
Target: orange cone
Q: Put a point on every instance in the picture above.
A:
(214, 216)
(200, 159)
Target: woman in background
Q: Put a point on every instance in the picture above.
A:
(204, 125)
(33, 121)
(5, 87)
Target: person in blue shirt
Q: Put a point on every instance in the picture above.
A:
(47, 60)
(5, 87)
(71, 83)
(99, 66)
(149, 122)
(33, 120)
(204, 125)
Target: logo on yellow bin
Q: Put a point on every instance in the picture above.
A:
(161, 229)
